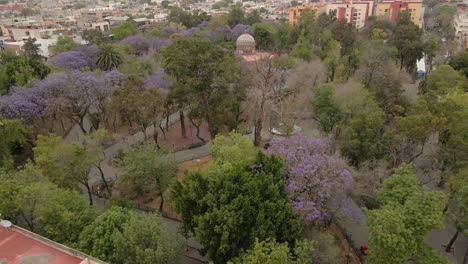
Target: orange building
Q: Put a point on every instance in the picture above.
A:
(295, 12)
(390, 10)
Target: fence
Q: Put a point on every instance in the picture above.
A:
(348, 237)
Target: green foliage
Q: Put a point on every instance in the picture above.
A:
(460, 62)
(123, 30)
(407, 214)
(145, 239)
(326, 111)
(30, 49)
(31, 201)
(64, 43)
(108, 57)
(442, 81)
(360, 139)
(236, 16)
(254, 17)
(179, 16)
(94, 36)
(264, 35)
(96, 239)
(302, 49)
(15, 136)
(407, 39)
(272, 252)
(207, 78)
(148, 167)
(242, 204)
(233, 151)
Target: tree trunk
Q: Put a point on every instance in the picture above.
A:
(104, 179)
(90, 195)
(81, 124)
(466, 256)
(162, 130)
(258, 131)
(168, 115)
(155, 136)
(197, 127)
(182, 124)
(113, 123)
(450, 244)
(161, 205)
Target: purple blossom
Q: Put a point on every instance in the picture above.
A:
(189, 32)
(170, 30)
(317, 182)
(238, 30)
(157, 80)
(76, 59)
(203, 24)
(138, 43)
(157, 43)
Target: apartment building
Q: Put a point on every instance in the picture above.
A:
(461, 24)
(353, 12)
(391, 9)
(295, 12)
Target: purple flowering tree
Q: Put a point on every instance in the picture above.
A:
(170, 30)
(157, 43)
(157, 80)
(317, 182)
(189, 32)
(76, 59)
(138, 43)
(238, 30)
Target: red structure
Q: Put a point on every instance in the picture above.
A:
(16, 248)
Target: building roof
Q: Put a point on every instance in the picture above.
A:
(16, 248)
(245, 39)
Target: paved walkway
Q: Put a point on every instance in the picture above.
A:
(111, 172)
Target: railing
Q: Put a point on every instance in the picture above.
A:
(348, 236)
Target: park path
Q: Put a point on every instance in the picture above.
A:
(110, 172)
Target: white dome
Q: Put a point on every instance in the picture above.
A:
(245, 39)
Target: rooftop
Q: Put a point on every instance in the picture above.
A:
(18, 246)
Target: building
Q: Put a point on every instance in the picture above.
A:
(391, 9)
(295, 12)
(461, 25)
(18, 246)
(245, 44)
(353, 12)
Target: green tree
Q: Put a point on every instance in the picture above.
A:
(145, 239)
(407, 214)
(361, 137)
(236, 16)
(254, 17)
(123, 30)
(108, 57)
(148, 167)
(272, 252)
(243, 202)
(65, 164)
(432, 45)
(442, 81)
(264, 35)
(15, 138)
(29, 200)
(233, 151)
(30, 49)
(407, 40)
(93, 36)
(204, 79)
(302, 49)
(458, 214)
(64, 43)
(96, 239)
(326, 111)
(460, 62)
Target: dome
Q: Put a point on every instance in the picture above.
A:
(245, 39)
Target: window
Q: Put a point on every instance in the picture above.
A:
(386, 10)
(98, 27)
(106, 27)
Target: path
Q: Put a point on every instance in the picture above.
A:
(111, 172)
